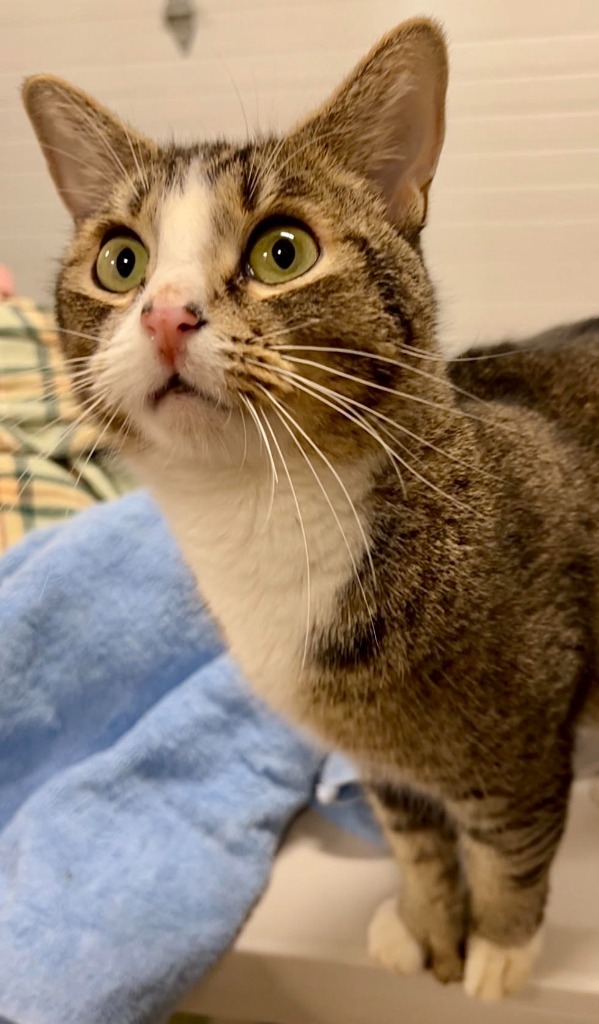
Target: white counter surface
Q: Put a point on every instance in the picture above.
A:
(301, 958)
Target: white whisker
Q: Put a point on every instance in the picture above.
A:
(332, 469)
(319, 388)
(279, 333)
(304, 537)
(349, 414)
(443, 407)
(264, 438)
(48, 451)
(400, 426)
(385, 359)
(95, 447)
(281, 411)
(245, 438)
(140, 173)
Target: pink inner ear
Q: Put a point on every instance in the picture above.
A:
(387, 121)
(87, 148)
(411, 130)
(82, 167)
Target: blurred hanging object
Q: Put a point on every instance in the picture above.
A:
(180, 17)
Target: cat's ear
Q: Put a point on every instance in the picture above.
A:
(387, 119)
(86, 147)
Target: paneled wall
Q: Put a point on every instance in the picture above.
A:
(513, 236)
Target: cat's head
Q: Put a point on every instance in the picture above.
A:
(217, 293)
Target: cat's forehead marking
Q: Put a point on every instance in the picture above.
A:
(184, 235)
(185, 221)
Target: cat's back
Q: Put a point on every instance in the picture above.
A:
(555, 373)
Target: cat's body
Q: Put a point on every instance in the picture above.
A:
(482, 656)
(247, 553)
(406, 569)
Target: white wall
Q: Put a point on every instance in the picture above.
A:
(513, 239)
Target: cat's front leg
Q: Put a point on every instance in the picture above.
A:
(507, 850)
(425, 925)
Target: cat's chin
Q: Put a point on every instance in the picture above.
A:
(185, 408)
(191, 424)
(185, 416)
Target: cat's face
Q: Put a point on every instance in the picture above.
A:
(219, 298)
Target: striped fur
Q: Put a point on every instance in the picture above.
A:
(408, 569)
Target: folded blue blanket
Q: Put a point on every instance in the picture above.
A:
(143, 791)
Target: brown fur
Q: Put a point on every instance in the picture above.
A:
(462, 667)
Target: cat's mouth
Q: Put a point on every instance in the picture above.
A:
(176, 385)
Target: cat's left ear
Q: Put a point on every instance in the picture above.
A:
(387, 120)
(87, 148)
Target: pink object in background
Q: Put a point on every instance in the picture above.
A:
(7, 283)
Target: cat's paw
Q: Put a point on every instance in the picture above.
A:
(390, 942)
(493, 971)
(446, 965)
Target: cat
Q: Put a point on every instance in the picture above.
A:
(401, 554)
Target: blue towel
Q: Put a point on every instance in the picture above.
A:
(143, 791)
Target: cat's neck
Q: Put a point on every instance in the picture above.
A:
(272, 560)
(268, 560)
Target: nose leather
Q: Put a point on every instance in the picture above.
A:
(168, 327)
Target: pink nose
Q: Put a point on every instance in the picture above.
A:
(168, 327)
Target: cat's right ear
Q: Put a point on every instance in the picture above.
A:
(387, 120)
(85, 146)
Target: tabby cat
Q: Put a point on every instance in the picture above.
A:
(401, 554)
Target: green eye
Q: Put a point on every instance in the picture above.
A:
(121, 264)
(281, 253)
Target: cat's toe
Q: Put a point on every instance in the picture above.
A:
(447, 966)
(390, 942)
(493, 971)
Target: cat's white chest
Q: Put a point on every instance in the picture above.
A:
(270, 566)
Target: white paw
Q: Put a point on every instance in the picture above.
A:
(493, 971)
(390, 942)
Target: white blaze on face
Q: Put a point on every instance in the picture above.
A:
(128, 367)
(183, 245)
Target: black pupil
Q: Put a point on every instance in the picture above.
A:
(283, 253)
(125, 262)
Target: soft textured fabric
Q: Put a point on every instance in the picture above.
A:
(143, 791)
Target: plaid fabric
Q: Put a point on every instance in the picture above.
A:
(50, 462)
